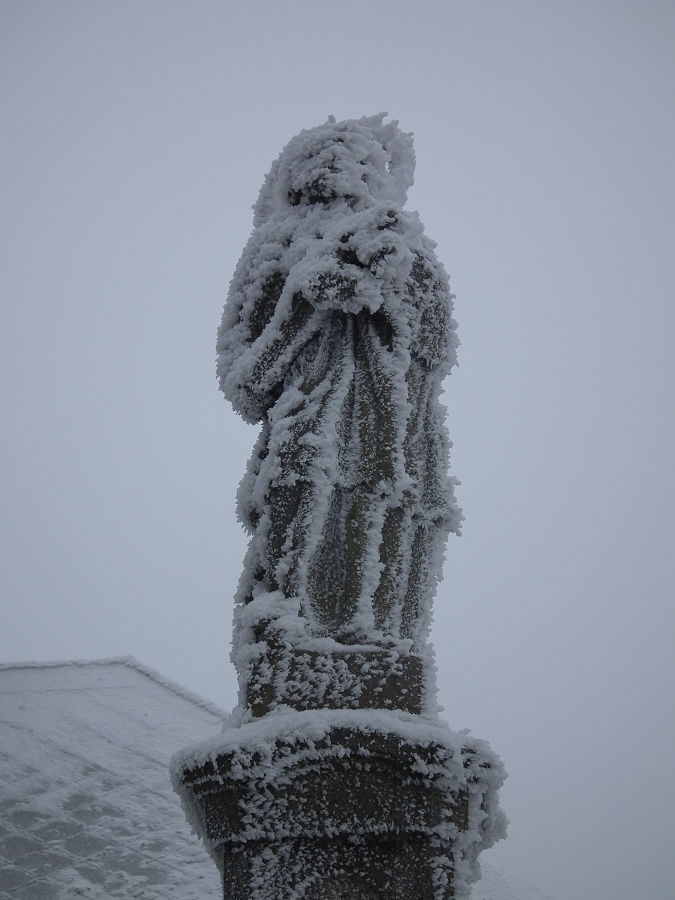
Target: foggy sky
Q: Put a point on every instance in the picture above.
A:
(134, 139)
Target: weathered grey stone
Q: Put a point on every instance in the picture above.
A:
(342, 679)
(336, 337)
(370, 808)
(391, 867)
(339, 781)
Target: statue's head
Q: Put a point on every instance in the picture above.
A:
(358, 162)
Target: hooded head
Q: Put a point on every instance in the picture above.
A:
(359, 162)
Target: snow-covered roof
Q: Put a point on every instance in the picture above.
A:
(86, 800)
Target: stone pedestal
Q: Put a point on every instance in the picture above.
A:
(342, 804)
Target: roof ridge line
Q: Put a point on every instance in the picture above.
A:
(132, 663)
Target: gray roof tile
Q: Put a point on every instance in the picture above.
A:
(87, 805)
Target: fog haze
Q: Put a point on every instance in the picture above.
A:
(134, 140)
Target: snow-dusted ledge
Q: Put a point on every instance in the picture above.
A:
(324, 785)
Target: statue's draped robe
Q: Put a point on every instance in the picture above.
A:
(334, 775)
(336, 336)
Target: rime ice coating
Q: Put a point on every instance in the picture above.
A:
(335, 768)
(264, 766)
(336, 336)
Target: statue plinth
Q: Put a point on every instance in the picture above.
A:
(342, 804)
(347, 677)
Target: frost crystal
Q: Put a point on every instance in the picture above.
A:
(335, 776)
(336, 335)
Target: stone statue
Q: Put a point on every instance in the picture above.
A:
(336, 335)
(334, 777)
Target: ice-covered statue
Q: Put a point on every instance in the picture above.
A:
(336, 336)
(335, 776)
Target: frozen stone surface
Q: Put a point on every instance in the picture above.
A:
(295, 800)
(335, 776)
(336, 336)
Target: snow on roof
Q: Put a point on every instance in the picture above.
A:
(86, 800)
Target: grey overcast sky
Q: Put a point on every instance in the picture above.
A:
(134, 138)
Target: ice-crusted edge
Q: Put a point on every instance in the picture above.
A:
(487, 822)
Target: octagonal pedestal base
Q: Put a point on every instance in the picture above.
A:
(355, 806)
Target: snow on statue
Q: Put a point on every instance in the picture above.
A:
(336, 336)
(335, 776)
